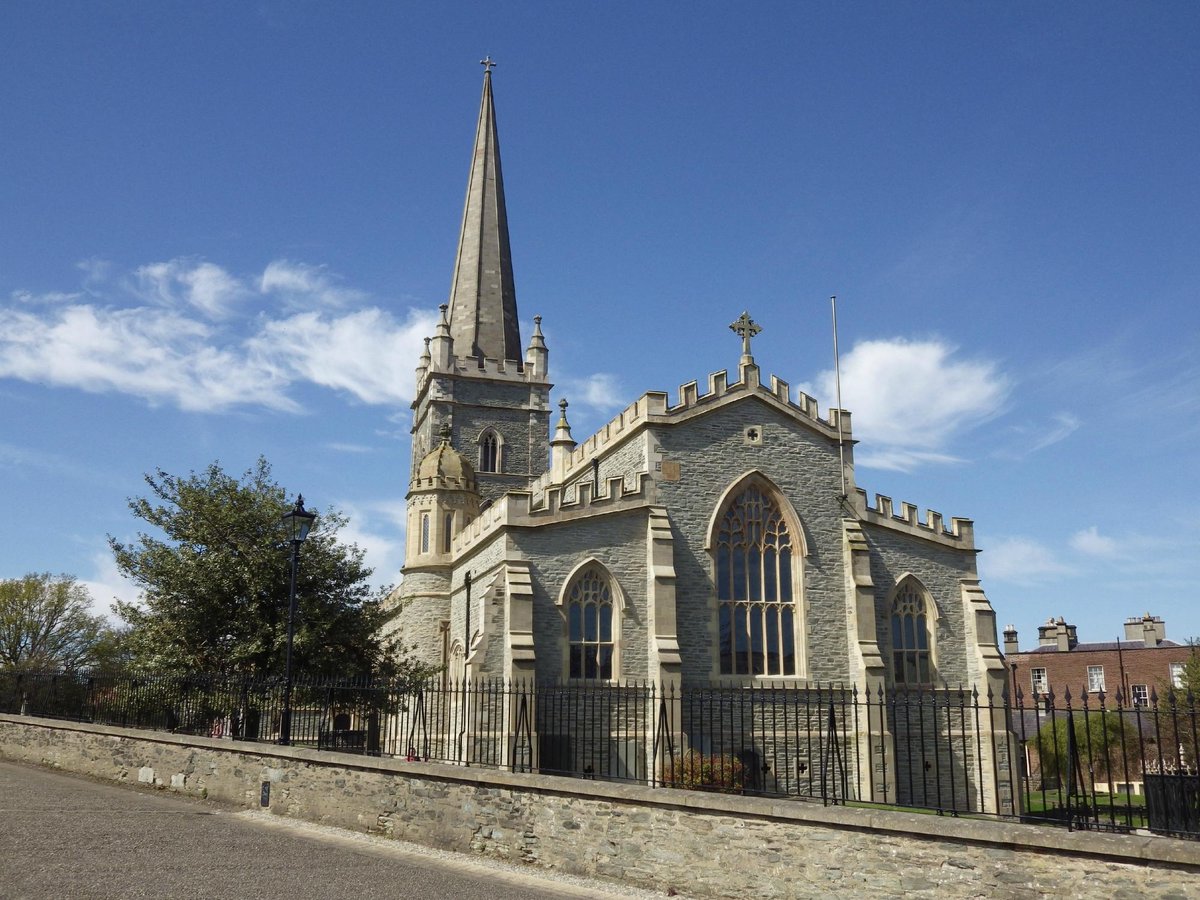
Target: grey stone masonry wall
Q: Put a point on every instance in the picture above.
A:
(712, 453)
(517, 410)
(628, 461)
(424, 605)
(483, 563)
(941, 569)
(688, 842)
(618, 541)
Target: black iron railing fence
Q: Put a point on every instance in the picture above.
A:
(1093, 763)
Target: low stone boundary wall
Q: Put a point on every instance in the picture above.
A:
(708, 845)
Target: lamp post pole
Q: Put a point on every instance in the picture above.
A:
(299, 521)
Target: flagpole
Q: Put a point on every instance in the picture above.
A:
(837, 374)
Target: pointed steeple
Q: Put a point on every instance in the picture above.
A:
(483, 296)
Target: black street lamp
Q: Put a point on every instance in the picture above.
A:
(298, 522)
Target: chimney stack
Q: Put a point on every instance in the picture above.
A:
(1010, 639)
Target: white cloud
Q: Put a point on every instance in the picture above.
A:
(378, 528)
(1090, 542)
(1022, 561)
(202, 285)
(911, 399)
(108, 584)
(303, 286)
(366, 353)
(340, 447)
(28, 298)
(599, 392)
(159, 355)
(1030, 438)
(180, 337)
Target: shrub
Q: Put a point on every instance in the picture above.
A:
(699, 772)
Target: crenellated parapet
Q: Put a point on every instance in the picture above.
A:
(654, 407)
(777, 390)
(524, 508)
(652, 403)
(512, 371)
(960, 533)
(419, 484)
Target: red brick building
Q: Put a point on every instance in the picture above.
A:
(1141, 662)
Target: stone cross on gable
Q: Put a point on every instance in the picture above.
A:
(745, 328)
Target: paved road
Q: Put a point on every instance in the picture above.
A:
(64, 836)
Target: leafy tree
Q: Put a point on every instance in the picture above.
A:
(1107, 744)
(1176, 723)
(46, 623)
(214, 575)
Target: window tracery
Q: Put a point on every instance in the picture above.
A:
(590, 625)
(757, 614)
(912, 643)
(489, 452)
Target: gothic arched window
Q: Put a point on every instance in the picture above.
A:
(757, 609)
(912, 641)
(447, 532)
(424, 532)
(590, 625)
(489, 451)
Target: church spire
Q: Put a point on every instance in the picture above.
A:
(483, 297)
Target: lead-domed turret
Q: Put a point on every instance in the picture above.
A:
(442, 498)
(444, 467)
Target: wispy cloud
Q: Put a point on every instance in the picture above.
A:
(107, 584)
(366, 353)
(28, 298)
(1025, 439)
(178, 333)
(911, 399)
(1090, 542)
(599, 392)
(1022, 561)
(303, 286)
(378, 528)
(158, 355)
(1146, 562)
(183, 282)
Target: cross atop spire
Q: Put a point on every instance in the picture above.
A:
(745, 328)
(483, 297)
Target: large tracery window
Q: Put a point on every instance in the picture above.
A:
(912, 661)
(757, 610)
(589, 602)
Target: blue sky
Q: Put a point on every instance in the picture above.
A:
(227, 226)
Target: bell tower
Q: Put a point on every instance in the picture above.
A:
(474, 378)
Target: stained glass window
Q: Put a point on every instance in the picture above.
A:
(590, 625)
(911, 643)
(756, 608)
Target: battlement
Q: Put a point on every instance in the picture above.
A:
(718, 386)
(525, 508)
(501, 369)
(511, 370)
(961, 531)
(655, 403)
(651, 403)
(440, 482)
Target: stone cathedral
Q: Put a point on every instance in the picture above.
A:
(716, 534)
